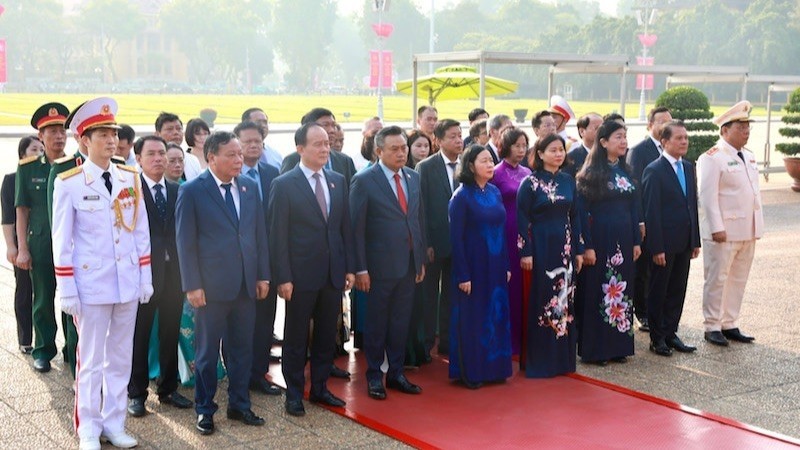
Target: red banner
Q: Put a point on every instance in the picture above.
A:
(2, 60)
(647, 80)
(374, 61)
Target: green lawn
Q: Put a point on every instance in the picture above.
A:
(16, 109)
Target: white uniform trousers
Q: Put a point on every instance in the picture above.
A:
(726, 266)
(104, 357)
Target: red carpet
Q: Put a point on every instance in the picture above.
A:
(564, 412)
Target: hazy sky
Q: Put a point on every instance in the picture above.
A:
(347, 7)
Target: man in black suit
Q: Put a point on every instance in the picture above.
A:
(338, 161)
(311, 246)
(587, 130)
(386, 209)
(224, 259)
(673, 237)
(496, 126)
(251, 135)
(639, 157)
(159, 199)
(438, 181)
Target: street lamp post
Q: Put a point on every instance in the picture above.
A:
(645, 14)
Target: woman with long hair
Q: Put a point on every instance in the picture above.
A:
(612, 239)
(480, 331)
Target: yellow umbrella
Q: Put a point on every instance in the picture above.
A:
(456, 82)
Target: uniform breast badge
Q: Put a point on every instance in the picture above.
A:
(127, 198)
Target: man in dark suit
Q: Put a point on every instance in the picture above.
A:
(386, 208)
(496, 126)
(224, 261)
(311, 244)
(438, 181)
(160, 196)
(251, 136)
(338, 161)
(587, 130)
(673, 237)
(639, 157)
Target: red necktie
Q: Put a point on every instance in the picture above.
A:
(401, 196)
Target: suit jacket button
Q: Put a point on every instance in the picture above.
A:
(85, 266)
(116, 241)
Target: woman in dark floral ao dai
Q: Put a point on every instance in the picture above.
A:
(612, 238)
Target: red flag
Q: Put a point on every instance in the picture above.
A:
(2, 58)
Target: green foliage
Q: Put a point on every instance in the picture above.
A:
(793, 106)
(789, 132)
(789, 149)
(791, 118)
(691, 105)
(302, 34)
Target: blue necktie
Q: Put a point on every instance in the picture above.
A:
(253, 173)
(161, 202)
(229, 203)
(681, 176)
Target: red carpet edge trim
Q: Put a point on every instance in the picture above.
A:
(686, 409)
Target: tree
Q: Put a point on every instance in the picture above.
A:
(22, 25)
(302, 35)
(114, 21)
(691, 105)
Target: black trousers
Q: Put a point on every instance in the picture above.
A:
(667, 293)
(323, 306)
(437, 283)
(642, 284)
(23, 306)
(262, 334)
(169, 304)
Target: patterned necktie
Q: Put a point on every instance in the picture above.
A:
(229, 203)
(401, 196)
(455, 180)
(107, 177)
(681, 176)
(319, 193)
(161, 202)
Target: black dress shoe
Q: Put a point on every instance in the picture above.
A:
(735, 335)
(41, 365)
(677, 344)
(339, 373)
(620, 359)
(295, 408)
(644, 325)
(246, 416)
(177, 400)
(660, 348)
(375, 390)
(136, 407)
(276, 340)
(473, 385)
(716, 338)
(205, 424)
(25, 349)
(327, 398)
(265, 387)
(402, 384)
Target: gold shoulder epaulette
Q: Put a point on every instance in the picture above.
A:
(28, 160)
(712, 150)
(71, 172)
(64, 159)
(128, 168)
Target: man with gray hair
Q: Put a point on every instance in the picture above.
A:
(497, 125)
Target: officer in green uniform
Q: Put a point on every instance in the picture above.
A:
(36, 252)
(62, 165)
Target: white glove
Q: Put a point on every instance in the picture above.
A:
(146, 291)
(71, 305)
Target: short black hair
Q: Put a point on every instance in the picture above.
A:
(248, 125)
(248, 111)
(584, 121)
(24, 143)
(612, 116)
(541, 145)
(394, 130)
(476, 128)
(192, 127)
(441, 127)
(126, 132)
(301, 135)
(315, 114)
(651, 116)
(165, 117)
(466, 175)
(215, 140)
(139, 144)
(496, 121)
(667, 130)
(473, 115)
(509, 138)
(536, 121)
(424, 108)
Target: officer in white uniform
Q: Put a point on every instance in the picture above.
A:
(101, 251)
(732, 221)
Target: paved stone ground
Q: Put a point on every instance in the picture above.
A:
(757, 384)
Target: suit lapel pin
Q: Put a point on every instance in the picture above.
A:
(244, 188)
(333, 186)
